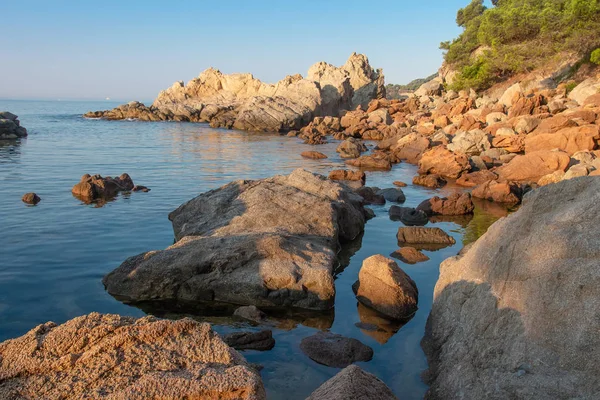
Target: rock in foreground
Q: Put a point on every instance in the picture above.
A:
(353, 383)
(270, 243)
(108, 356)
(516, 316)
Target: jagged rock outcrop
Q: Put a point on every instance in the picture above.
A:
(243, 102)
(92, 187)
(516, 315)
(10, 126)
(270, 243)
(104, 356)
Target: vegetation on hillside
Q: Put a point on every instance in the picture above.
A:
(394, 91)
(517, 36)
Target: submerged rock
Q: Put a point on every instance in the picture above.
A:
(353, 383)
(335, 350)
(261, 341)
(314, 155)
(385, 287)
(516, 315)
(251, 313)
(110, 356)
(269, 243)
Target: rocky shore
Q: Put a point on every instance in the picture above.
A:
(10, 126)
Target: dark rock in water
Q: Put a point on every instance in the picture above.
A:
(353, 383)
(31, 198)
(261, 341)
(408, 216)
(409, 255)
(516, 315)
(335, 350)
(110, 356)
(250, 313)
(418, 237)
(10, 127)
(455, 204)
(270, 243)
(140, 188)
(95, 187)
(385, 287)
(370, 196)
(394, 195)
(431, 181)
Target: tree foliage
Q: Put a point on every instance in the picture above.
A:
(519, 35)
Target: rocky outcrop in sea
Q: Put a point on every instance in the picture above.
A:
(243, 102)
(10, 126)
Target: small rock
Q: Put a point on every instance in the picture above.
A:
(251, 313)
(385, 287)
(31, 198)
(261, 341)
(370, 195)
(313, 155)
(140, 188)
(353, 383)
(432, 181)
(419, 235)
(408, 216)
(400, 184)
(347, 175)
(394, 195)
(335, 350)
(455, 204)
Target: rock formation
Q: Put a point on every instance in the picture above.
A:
(103, 356)
(270, 243)
(353, 383)
(243, 102)
(92, 187)
(10, 126)
(516, 315)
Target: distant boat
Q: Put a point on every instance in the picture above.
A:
(108, 98)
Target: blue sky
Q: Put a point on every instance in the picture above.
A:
(129, 50)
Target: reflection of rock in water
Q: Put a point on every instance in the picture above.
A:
(10, 151)
(377, 326)
(346, 253)
(223, 314)
(485, 214)
(97, 202)
(460, 220)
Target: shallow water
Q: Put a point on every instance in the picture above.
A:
(53, 255)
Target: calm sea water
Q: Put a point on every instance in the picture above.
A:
(54, 255)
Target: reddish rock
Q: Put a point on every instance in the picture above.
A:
(31, 198)
(473, 179)
(314, 155)
(400, 184)
(455, 204)
(443, 162)
(347, 175)
(93, 187)
(500, 192)
(431, 181)
(410, 147)
(569, 140)
(510, 143)
(532, 166)
(374, 161)
(554, 124)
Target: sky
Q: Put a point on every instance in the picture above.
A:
(130, 50)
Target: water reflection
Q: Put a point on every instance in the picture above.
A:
(377, 326)
(10, 151)
(485, 214)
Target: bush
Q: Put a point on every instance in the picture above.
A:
(520, 35)
(595, 57)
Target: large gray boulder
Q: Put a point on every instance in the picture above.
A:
(353, 383)
(517, 314)
(270, 243)
(104, 356)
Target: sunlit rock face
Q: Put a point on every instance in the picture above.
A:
(243, 102)
(270, 243)
(516, 315)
